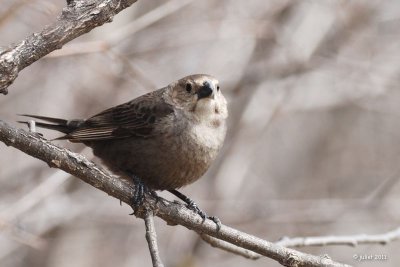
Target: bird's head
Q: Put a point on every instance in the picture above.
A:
(200, 96)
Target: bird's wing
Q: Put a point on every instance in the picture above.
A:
(135, 118)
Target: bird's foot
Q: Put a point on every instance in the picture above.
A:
(139, 195)
(193, 207)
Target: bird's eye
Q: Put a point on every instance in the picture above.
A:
(217, 87)
(188, 87)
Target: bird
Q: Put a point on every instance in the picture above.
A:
(163, 140)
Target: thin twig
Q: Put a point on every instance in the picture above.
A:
(349, 240)
(32, 126)
(172, 213)
(214, 242)
(151, 238)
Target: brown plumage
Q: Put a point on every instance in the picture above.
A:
(168, 138)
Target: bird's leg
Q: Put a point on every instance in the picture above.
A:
(140, 190)
(190, 203)
(138, 196)
(193, 206)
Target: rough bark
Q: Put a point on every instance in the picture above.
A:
(78, 18)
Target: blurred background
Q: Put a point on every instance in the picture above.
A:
(312, 147)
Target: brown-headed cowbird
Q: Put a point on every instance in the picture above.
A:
(167, 138)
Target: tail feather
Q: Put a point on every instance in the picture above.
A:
(49, 119)
(59, 128)
(60, 125)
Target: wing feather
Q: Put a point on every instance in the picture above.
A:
(135, 118)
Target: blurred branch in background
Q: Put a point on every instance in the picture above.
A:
(350, 240)
(121, 34)
(76, 19)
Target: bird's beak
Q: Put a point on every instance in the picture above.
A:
(207, 90)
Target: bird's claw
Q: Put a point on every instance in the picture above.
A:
(193, 206)
(139, 195)
(190, 204)
(216, 220)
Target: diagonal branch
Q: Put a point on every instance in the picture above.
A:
(172, 213)
(78, 18)
(350, 240)
(217, 243)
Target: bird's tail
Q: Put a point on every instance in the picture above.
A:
(61, 125)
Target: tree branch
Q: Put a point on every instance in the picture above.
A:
(350, 240)
(151, 238)
(172, 213)
(78, 18)
(214, 242)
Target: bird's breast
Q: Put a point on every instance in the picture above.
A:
(209, 136)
